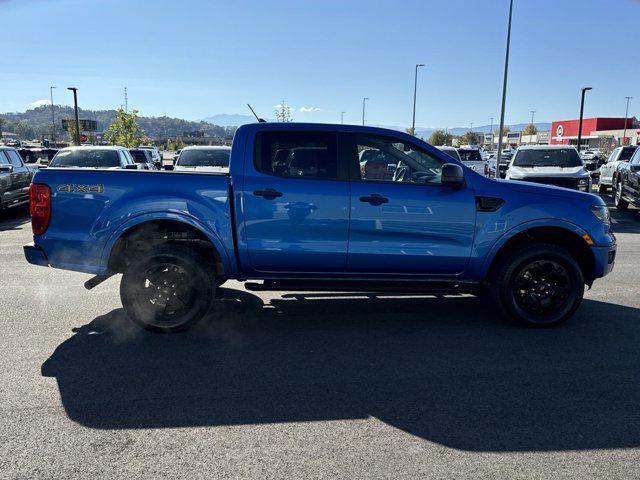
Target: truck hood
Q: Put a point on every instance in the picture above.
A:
(550, 190)
(562, 172)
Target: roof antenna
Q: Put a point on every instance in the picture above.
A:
(261, 120)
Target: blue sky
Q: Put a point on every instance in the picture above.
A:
(196, 58)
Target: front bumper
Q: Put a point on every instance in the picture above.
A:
(35, 255)
(605, 258)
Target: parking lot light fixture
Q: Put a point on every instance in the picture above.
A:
(53, 116)
(504, 90)
(415, 93)
(363, 106)
(626, 116)
(75, 108)
(584, 90)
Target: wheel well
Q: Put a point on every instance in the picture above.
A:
(575, 245)
(147, 235)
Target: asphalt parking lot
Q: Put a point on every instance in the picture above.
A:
(315, 386)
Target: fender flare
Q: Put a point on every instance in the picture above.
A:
(151, 216)
(509, 234)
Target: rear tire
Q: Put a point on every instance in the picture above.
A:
(168, 289)
(621, 203)
(539, 285)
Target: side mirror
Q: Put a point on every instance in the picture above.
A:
(169, 167)
(6, 168)
(452, 175)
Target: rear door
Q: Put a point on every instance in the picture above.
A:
(633, 182)
(295, 203)
(21, 176)
(411, 224)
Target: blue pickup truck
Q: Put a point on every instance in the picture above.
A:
(297, 212)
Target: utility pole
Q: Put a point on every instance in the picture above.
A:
(584, 90)
(415, 92)
(626, 115)
(75, 107)
(53, 117)
(533, 112)
(126, 101)
(504, 89)
(363, 106)
(491, 132)
(342, 117)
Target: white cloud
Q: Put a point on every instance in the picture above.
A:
(40, 103)
(309, 109)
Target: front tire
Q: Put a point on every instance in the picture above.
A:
(538, 285)
(621, 203)
(167, 289)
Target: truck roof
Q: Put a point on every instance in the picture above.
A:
(545, 147)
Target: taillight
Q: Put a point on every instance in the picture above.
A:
(39, 207)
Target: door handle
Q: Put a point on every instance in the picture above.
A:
(374, 199)
(269, 193)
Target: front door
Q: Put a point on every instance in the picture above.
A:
(406, 222)
(295, 204)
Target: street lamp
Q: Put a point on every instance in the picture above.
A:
(584, 90)
(626, 115)
(363, 103)
(415, 91)
(75, 107)
(53, 116)
(491, 133)
(342, 117)
(533, 112)
(504, 89)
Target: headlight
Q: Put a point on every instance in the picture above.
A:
(583, 185)
(602, 213)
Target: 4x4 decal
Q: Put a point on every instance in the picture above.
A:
(73, 188)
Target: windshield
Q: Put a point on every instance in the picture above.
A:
(626, 153)
(470, 155)
(139, 156)
(561, 157)
(86, 158)
(204, 158)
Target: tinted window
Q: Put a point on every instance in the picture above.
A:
(389, 159)
(4, 160)
(86, 158)
(560, 157)
(204, 158)
(470, 155)
(297, 154)
(14, 158)
(139, 156)
(626, 153)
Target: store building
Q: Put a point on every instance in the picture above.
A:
(565, 132)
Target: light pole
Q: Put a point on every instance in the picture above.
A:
(53, 116)
(363, 103)
(533, 112)
(504, 89)
(626, 115)
(584, 90)
(75, 107)
(415, 93)
(491, 133)
(342, 117)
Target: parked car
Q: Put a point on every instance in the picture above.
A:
(143, 158)
(471, 158)
(203, 159)
(15, 178)
(558, 165)
(505, 159)
(451, 151)
(618, 155)
(626, 189)
(94, 157)
(311, 222)
(155, 155)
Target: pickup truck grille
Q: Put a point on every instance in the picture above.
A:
(571, 183)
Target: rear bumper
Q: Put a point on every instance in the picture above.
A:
(605, 258)
(35, 255)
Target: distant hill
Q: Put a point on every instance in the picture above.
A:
(36, 123)
(227, 120)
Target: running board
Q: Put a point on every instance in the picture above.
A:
(397, 286)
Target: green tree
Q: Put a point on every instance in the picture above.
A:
(409, 130)
(506, 130)
(124, 130)
(470, 138)
(71, 131)
(530, 129)
(440, 137)
(2, 123)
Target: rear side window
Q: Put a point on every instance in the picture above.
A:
(204, 158)
(626, 153)
(14, 157)
(297, 154)
(139, 156)
(470, 155)
(4, 160)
